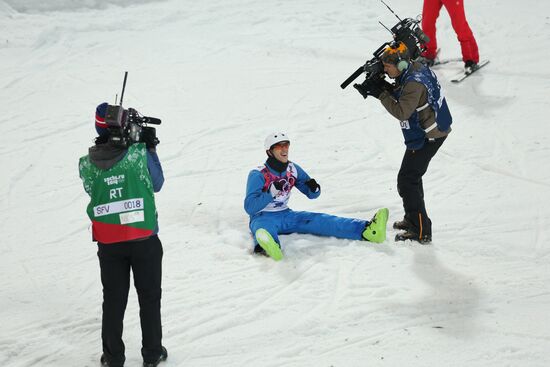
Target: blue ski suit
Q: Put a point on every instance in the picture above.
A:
(272, 213)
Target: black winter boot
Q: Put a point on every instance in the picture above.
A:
(409, 235)
(403, 225)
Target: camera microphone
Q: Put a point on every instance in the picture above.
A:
(150, 120)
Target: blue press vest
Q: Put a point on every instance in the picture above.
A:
(414, 134)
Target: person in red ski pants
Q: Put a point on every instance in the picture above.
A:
(455, 8)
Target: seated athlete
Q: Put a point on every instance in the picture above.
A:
(267, 192)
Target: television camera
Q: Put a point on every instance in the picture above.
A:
(407, 31)
(128, 126)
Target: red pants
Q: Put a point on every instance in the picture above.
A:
(455, 8)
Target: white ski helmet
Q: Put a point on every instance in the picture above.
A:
(275, 138)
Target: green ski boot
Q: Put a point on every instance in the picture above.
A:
(267, 242)
(376, 230)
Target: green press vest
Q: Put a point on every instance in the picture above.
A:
(122, 206)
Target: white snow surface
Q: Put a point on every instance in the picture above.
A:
(222, 75)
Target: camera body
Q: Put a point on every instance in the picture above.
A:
(407, 31)
(128, 126)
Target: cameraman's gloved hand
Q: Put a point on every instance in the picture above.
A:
(151, 143)
(275, 188)
(148, 136)
(372, 87)
(313, 185)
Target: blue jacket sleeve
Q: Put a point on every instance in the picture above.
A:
(256, 199)
(301, 184)
(155, 170)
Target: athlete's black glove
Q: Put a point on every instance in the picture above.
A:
(278, 184)
(372, 87)
(275, 188)
(313, 185)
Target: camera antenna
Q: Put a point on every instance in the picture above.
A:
(390, 9)
(123, 87)
(382, 24)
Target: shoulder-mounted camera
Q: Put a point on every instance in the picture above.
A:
(128, 126)
(407, 31)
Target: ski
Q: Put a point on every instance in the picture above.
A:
(446, 61)
(460, 77)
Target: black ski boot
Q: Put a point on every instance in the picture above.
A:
(162, 358)
(409, 235)
(470, 66)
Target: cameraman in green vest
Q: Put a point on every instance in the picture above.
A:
(121, 181)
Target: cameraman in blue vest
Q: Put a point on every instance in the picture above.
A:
(416, 100)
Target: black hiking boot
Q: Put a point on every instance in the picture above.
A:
(409, 235)
(402, 225)
(162, 358)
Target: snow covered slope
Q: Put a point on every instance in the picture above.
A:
(221, 75)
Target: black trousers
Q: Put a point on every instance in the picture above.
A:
(144, 258)
(409, 185)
